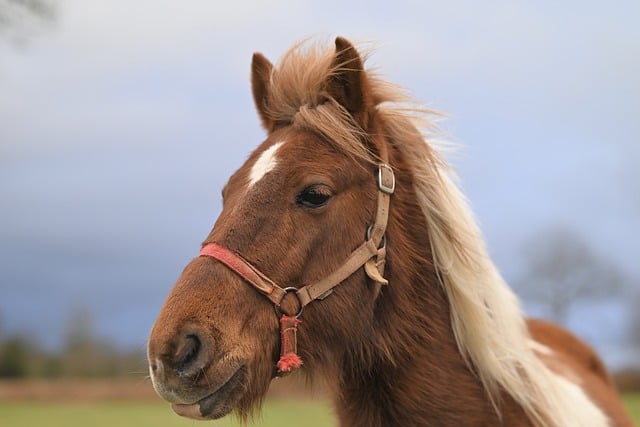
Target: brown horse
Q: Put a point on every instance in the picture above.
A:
(346, 218)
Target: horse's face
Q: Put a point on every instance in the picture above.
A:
(295, 210)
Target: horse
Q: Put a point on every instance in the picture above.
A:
(346, 251)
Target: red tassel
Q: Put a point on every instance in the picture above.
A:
(289, 362)
(289, 359)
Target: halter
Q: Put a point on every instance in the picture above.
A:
(370, 254)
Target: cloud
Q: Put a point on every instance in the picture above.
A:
(119, 127)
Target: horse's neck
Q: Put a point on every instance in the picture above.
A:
(417, 375)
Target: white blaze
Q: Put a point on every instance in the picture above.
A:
(265, 163)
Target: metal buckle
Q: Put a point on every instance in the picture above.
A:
(386, 179)
(286, 291)
(383, 244)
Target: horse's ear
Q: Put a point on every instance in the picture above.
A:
(260, 80)
(347, 84)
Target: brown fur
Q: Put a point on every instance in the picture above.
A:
(575, 359)
(391, 358)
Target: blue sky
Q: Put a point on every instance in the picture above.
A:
(120, 122)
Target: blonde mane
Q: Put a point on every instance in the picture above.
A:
(486, 318)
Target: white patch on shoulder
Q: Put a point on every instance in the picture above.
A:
(580, 409)
(584, 411)
(265, 163)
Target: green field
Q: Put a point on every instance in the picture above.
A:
(278, 413)
(632, 402)
(157, 414)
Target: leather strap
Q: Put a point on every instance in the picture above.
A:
(319, 289)
(369, 254)
(244, 269)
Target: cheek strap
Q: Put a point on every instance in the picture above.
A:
(370, 254)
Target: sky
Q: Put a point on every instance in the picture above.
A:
(121, 121)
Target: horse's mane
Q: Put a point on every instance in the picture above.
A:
(486, 318)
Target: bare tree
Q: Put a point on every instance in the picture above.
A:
(21, 19)
(562, 268)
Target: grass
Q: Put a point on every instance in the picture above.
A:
(136, 414)
(632, 403)
(280, 413)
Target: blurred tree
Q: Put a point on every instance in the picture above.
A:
(14, 358)
(563, 269)
(86, 354)
(19, 19)
(83, 352)
(634, 302)
(79, 327)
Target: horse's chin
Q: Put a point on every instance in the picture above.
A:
(217, 404)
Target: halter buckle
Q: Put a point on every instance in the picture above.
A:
(383, 243)
(386, 179)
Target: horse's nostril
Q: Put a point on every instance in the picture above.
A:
(187, 352)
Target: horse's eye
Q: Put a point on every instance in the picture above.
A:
(314, 196)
